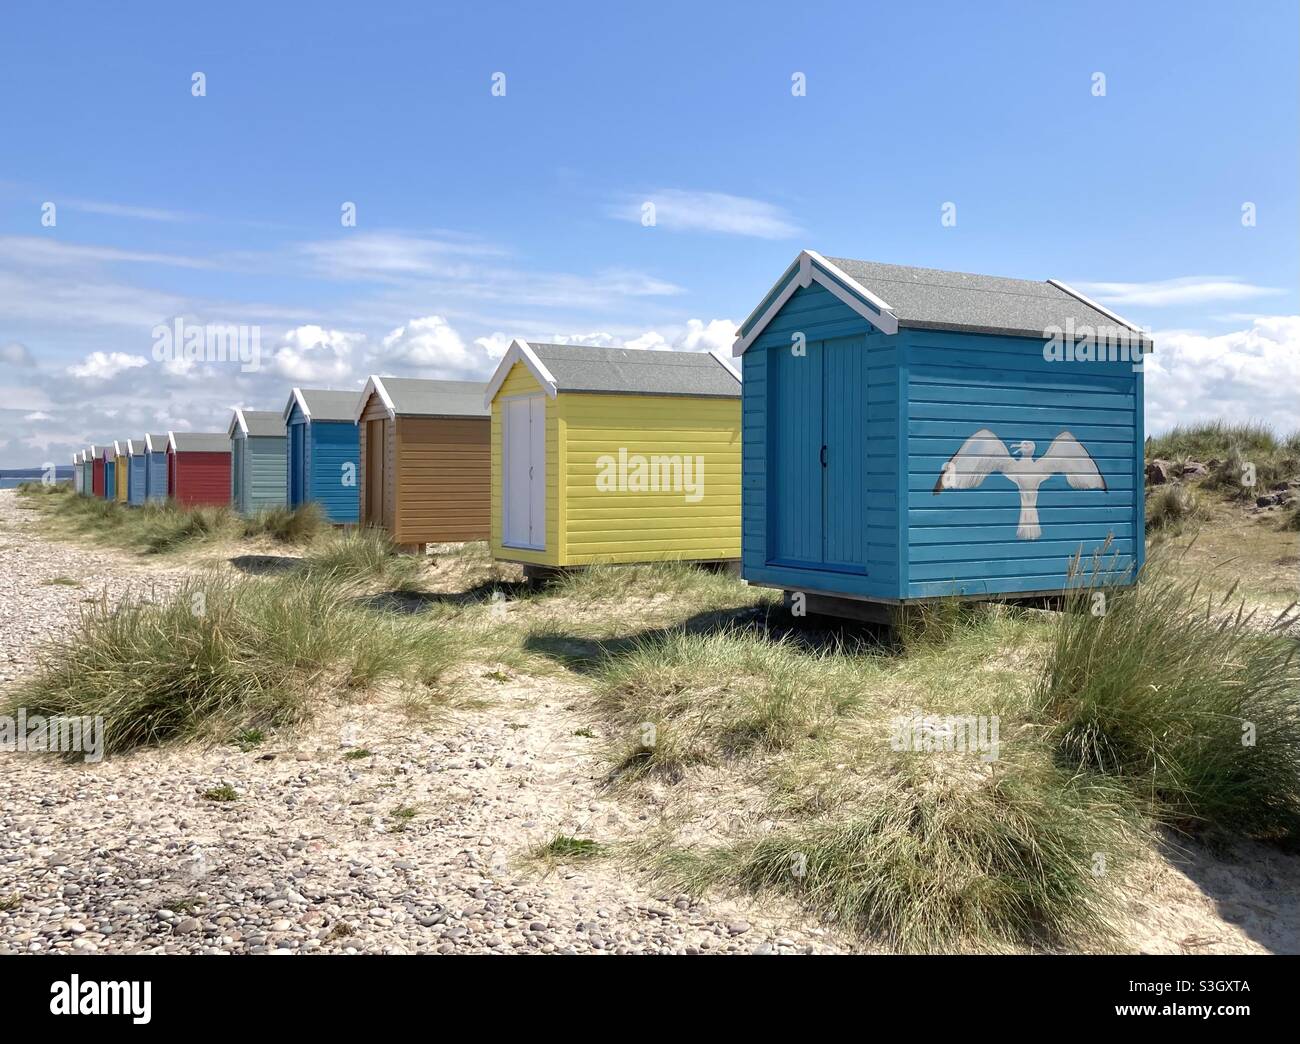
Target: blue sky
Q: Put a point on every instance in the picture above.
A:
(482, 217)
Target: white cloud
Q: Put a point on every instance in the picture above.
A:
(1249, 374)
(429, 346)
(314, 354)
(1187, 290)
(39, 415)
(695, 336)
(91, 206)
(103, 366)
(679, 210)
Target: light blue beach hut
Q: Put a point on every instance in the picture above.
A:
(259, 461)
(912, 434)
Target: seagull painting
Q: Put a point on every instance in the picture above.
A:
(984, 453)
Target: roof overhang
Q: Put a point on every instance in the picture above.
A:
(297, 396)
(237, 421)
(374, 386)
(727, 364)
(808, 268)
(1145, 338)
(519, 352)
(171, 442)
(151, 448)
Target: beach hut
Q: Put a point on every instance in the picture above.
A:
(914, 434)
(156, 472)
(121, 462)
(76, 472)
(110, 472)
(257, 460)
(137, 465)
(198, 468)
(426, 459)
(97, 471)
(87, 470)
(613, 455)
(322, 450)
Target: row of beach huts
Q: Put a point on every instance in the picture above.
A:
(899, 434)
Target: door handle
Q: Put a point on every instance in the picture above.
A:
(823, 456)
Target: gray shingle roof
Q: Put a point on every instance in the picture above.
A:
(263, 423)
(931, 298)
(583, 368)
(330, 405)
(421, 398)
(201, 442)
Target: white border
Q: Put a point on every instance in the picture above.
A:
(833, 279)
(296, 396)
(1100, 308)
(519, 351)
(374, 384)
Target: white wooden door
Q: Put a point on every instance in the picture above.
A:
(523, 485)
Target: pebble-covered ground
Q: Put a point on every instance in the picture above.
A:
(423, 845)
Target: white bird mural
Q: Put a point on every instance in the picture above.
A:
(984, 453)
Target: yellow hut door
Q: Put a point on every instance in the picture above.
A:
(523, 474)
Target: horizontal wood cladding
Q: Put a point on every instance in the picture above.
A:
(442, 487)
(633, 524)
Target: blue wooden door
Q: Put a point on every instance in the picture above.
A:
(297, 464)
(844, 476)
(818, 502)
(795, 502)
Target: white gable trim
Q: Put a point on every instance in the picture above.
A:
(519, 352)
(813, 268)
(1100, 308)
(374, 386)
(297, 396)
(117, 447)
(171, 442)
(148, 445)
(726, 364)
(238, 419)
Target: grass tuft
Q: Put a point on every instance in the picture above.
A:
(929, 860)
(1190, 701)
(225, 655)
(1172, 507)
(300, 525)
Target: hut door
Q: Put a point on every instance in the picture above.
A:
(818, 510)
(376, 501)
(523, 477)
(844, 425)
(297, 464)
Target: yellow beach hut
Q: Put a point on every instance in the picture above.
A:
(122, 469)
(607, 455)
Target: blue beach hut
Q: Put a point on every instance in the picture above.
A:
(912, 434)
(258, 464)
(136, 471)
(155, 469)
(110, 472)
(322, 452)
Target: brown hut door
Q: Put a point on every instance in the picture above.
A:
(376, 502)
